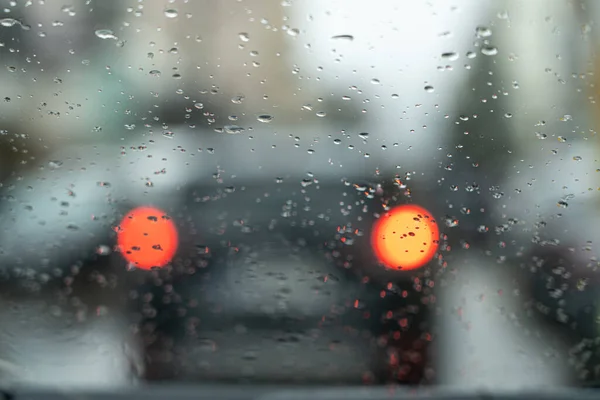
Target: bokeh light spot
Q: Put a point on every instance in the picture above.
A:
(147, 237)
(405, 237)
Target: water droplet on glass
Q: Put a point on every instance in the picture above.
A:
(233, 129)
(103, 250)
(577, 158)
(321, 114)
(375, 81)
(171, 13)
(238, 99)
(265, 118)
(244, 37)
(483, 31)
(363, 135)
(347, 38)
(450, 56)
(451, 222)
(429, 89)
(502, 14)
(155, 73)
(489, 50)
(199, 106)
(8, 22)
(566, 118)
(105, 34)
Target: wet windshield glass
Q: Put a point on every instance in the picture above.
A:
(299, 192)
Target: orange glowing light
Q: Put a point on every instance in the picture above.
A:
(405, 238)
(147, 238)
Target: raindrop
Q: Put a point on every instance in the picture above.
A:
(451, 222)
(347, 38)
(171, 13)
(375, 81)
(363, 135)
(429, 89)
(103, 250)
(105, 34)
(483, 31)
(72, 227)
(265, 118)
(450, 56)
(566, 118)
(244, 37)
(199, 106)
(577, 158)
(202, 249)
(8, 22)
(238, 99)
(502, 14)
(233, 129)
(321, 114)
(489, 51)
(155, 73)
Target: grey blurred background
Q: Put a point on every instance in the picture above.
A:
(482, 111)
